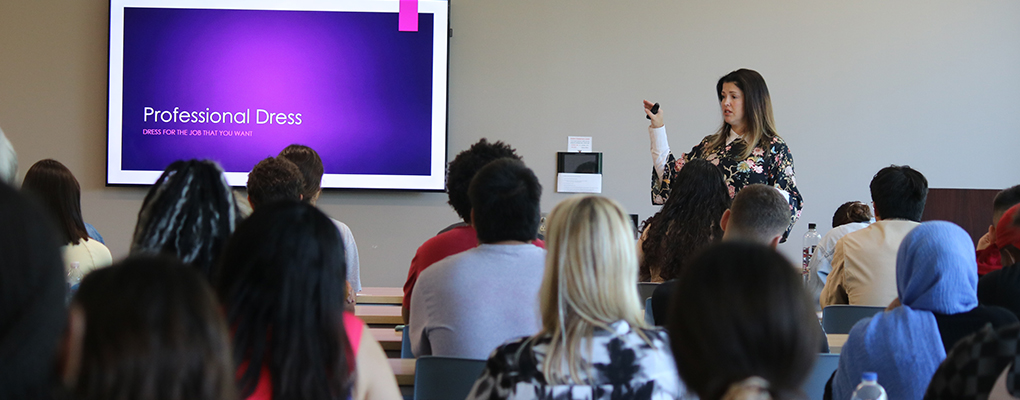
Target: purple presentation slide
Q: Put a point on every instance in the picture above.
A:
(237, 86)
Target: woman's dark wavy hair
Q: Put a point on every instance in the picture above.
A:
(281, 279)
(687, 223)
(739, 310)
(32, 295)
(189, 213)
(55, 186)
(851, 211)
(153, 330)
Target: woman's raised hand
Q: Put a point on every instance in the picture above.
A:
(657, 117)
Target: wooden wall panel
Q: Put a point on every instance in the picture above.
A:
(969, 208)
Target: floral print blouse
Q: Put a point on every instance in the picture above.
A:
(770, 163)
(623, 367)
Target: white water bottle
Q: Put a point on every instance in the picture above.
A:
(74, 276)
(811, 239)
(869, 389)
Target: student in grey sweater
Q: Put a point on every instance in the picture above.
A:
(467, 304)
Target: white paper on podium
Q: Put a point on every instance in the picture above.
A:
(578, 183)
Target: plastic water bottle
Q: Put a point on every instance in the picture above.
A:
(74, 276)
(811, 239)
(869, 389)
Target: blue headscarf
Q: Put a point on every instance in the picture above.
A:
(936, 271)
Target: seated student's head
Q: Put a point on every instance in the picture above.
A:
(850, 212)
(56, 188)
(1007, 238)
(281, 280)
(463, 168)
(274, 179)
(899, 192)
(152, 330)
(1003, 201)
(590, 280)
(189, 213)
(740, 312)
(308, 162)
(33, 291)
(8, 161)
(759, 214)
(505, 197)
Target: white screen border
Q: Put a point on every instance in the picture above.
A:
(435, 181)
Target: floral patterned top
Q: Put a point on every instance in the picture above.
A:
(770, 163)
(623, 365)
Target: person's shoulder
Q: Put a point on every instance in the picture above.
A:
(517, 357)
(893, 227)
(856, 236)
(837, 233)
(535, 254)
(848, 228)
(774, 145)
(1006, 279)
(997, 316)
(342, 227)
(520, 256)
(95, 246)
(513, 346)
(534, 248)
(658, 335)
(450, 242)
(462, 263)
(833, 235)
(460, 234)
(994, 278)
(880, 229)
(439, 273)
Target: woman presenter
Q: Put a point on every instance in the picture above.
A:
(746, 148)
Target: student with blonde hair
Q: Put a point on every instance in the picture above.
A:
(594, 343)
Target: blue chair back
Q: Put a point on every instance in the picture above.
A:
(405, 344)
(649, 319)
(840, 318)
(814, 386)
(444, 378)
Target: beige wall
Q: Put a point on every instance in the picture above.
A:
(855, 86)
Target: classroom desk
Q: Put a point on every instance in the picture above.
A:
(403, 369)
(836, 341)
(379, 315)
(380, 295)
(388, 338)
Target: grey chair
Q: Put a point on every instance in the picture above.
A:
(840, 318)
(645, 289)
(814, 386)
(443, 378)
